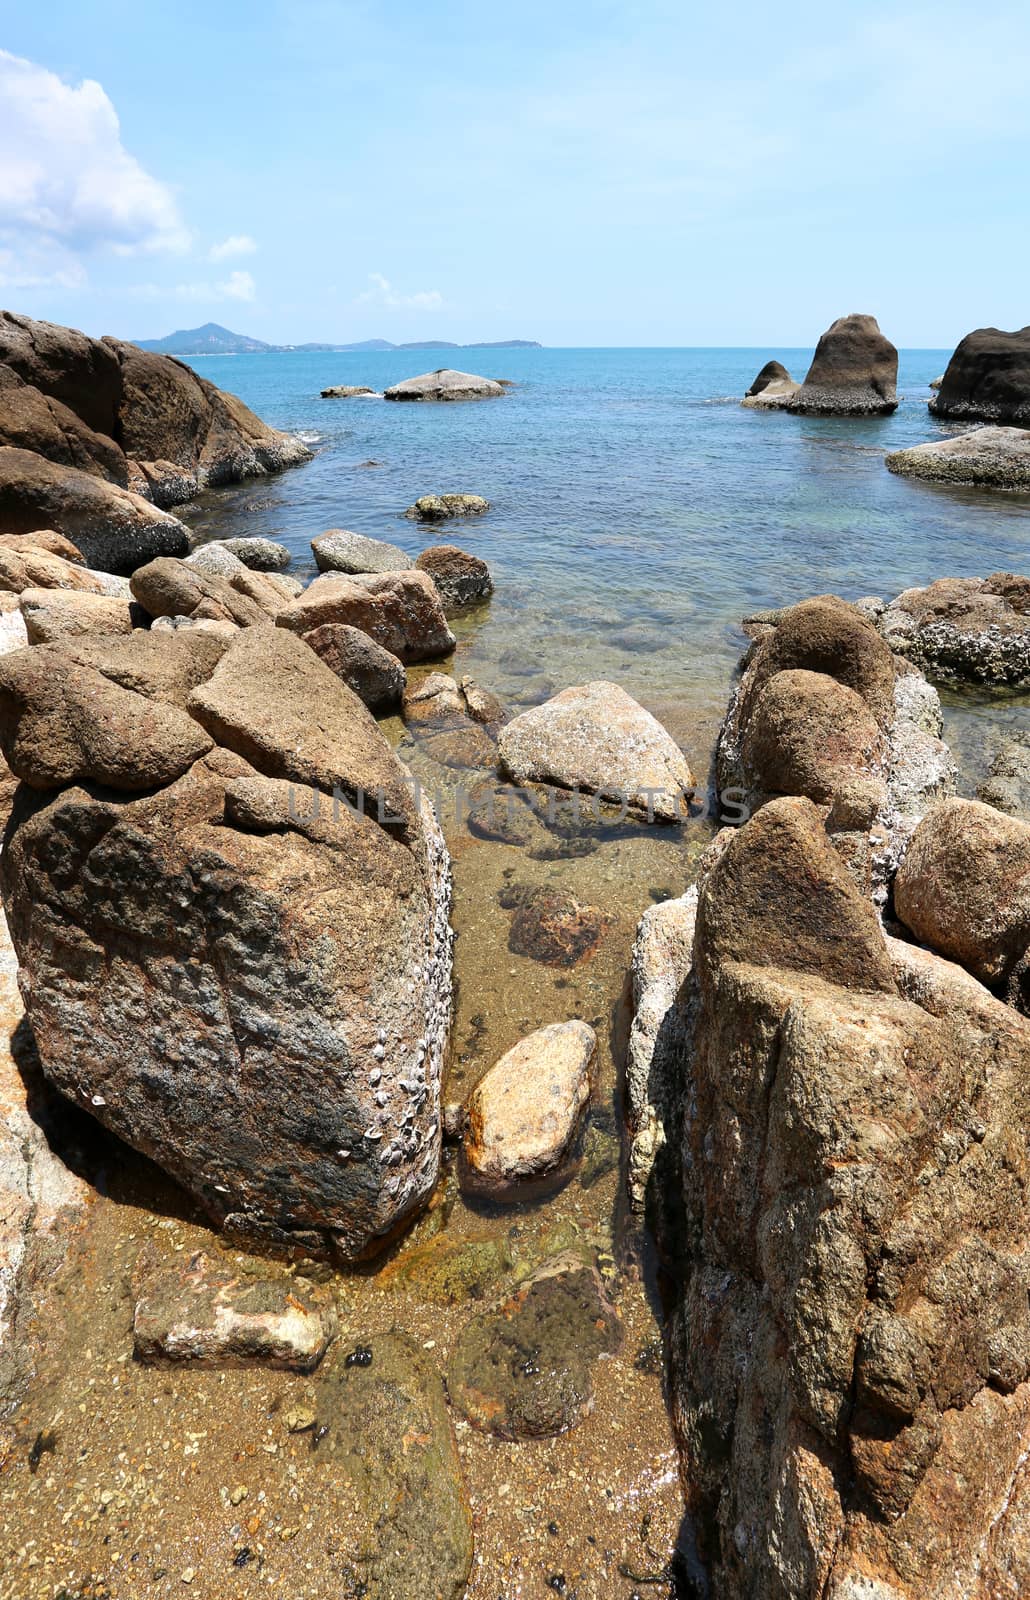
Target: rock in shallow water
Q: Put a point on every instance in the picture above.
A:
(986, 458)
(523, 1370)
(441, 507)
(376, 676)
(551, 926)
(342, 551)
(523, 1116)
(597, 738)
(462, 579)
(965, 629)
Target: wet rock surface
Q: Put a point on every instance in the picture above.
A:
(524, 1370)
(437, 713)
(965, 629)
(523, 1116)
(462, 579)
(983, 458)
(551, 926)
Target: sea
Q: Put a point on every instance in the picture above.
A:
(638, 512)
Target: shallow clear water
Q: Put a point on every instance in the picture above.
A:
(638, 511)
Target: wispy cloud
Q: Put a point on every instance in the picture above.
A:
(237, 286)
(237, 244)
(382, 293)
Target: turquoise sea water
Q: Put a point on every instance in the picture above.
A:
(638, 510)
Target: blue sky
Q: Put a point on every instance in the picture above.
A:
(585, 174)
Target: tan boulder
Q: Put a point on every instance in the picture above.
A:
(52, 615)
(29, 567)
(43, 539)
(171, 588)
(375, 675)
(523, 1116)
(809, 735)
(399, 610)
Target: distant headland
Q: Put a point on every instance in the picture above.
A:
(214, 340)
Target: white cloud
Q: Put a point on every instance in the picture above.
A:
(37, 270)
(237, 286)
(383, 293)
(66, 180)
(237, 244)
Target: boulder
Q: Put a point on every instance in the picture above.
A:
(851, 1327)
(985, 458)
(442, 507)
(171, 588)
(62, 722)
(376, 676)
(435, 711)
(854, 371)
(216, 559)
(462, 579)
(259, 554)
(32, 568)
(31, 420)
(160, 666)
(772, 389)
(345, 391)
(551, 925)
(964, 889)
(208, 1315)
(113, 528)
(523, 1116)
(597, 738)
(54, 544)
(523, 1369)
(1007, 784)
(56, 614)
(826, 635)
(399, 610)
(810, 735)
(249, 985)
(313, 730)
(987, 379)
(965, 629)
(342, 551)
(445, 384)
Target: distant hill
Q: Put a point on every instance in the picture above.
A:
(214, 340)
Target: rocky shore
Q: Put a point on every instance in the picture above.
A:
(367, 1030)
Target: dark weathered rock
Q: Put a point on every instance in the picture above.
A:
(399, 610)
(442, 507)
(462, 579)
(445, 384)
(965, 629)
(114, 529)
(985, 458)
(524, 1114)
(964, 889)
(523, 1370)
(987, 379)
(810, 735)
(376, 676)
(854, 371)
(390, 1441)
(551, 926)
(206, 1314)
(772, 388)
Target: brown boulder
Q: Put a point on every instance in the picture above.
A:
(987, 379)
(57, 614)
(313, 730)
(30, 420)
(376, 676)
(435, 711)
(854, 371)
(29, 567)
(171, 588)
(827, 635)
(809, 735)
(154, 664)
(399, 610)
(965, 629)
(462, 579)
(114, 529)
(964, 889)
(82, 373)
(63, 722)
(54, 544)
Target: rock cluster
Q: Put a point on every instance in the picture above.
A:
(854, 373)
(96, 434)
(965, 629)
(216, 855)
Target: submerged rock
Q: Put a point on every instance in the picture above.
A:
(209, 1315)
(772, 388)
(1007, 785)
(442, 507)
(376, 676)
(854, 371)
(399, 610)
(240, 977)
(391, 1443)
(964, 889)
(986, 458)
(523, 1116)
(597, 738)
(551, 926)
(987, 379)
(523, 1370)
(462, 579)
(445, 384)
(342, 551)
(436, 712)
(965, 629)
(345, 391)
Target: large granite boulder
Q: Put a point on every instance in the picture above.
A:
(399, 610)
(170, 588)
(772, 389)
(339, 550)
(964, 890)
(112, 527)
(445, 384)
(987, 379)
(965, 630)
(985, 458)
(462, 579)
(376, 676)
(225, 959)
(596, 738)
(128, 417)
(850, 1342)
(854, 371)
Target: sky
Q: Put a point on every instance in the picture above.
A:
(581, 172)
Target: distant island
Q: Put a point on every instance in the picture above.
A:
(214, 340)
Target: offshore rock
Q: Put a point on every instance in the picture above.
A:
(442, 507)
(987, 379)
(986, 458)
(445, 384)
(772, 389)
(854, 371)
